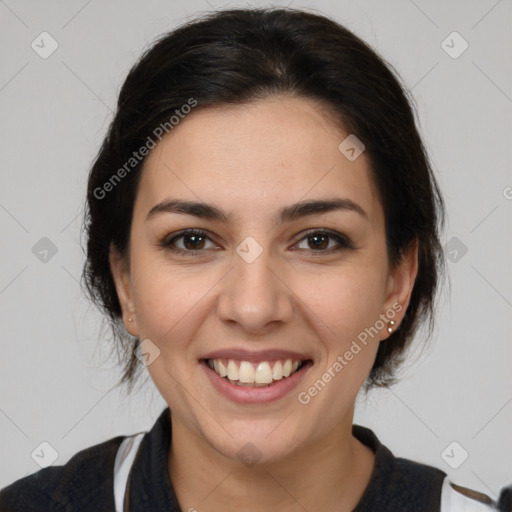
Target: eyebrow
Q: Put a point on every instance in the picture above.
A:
(286, 214)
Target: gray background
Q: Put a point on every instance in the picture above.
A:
(56, 379)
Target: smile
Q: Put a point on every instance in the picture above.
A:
(249, 378)
(251, 374)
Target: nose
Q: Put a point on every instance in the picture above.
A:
(255, 294)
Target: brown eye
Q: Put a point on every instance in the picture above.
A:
(318, 241)
(191, 242)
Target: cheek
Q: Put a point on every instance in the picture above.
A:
(345, 301)
(166, 300)
(170, 299)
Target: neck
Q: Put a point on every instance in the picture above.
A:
(329, 474)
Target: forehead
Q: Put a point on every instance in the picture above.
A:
(267, 153)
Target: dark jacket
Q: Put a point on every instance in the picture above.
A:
(85, 483)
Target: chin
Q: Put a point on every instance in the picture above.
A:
(263, 444)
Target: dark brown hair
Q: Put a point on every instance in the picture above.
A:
(236, 56)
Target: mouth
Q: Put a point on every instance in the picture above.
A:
(260, 374)
(246, 377)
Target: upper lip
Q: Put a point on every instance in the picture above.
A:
(256, 355)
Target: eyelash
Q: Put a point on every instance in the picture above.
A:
(343, 241)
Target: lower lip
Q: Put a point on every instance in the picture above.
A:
(247, 395)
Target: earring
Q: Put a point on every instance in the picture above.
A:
(130, 319)
(391, 323)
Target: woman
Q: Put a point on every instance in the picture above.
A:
(264, 224)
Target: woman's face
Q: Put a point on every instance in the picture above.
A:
(265, 280)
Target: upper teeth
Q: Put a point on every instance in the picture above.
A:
(263, 372)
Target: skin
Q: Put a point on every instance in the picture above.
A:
(250, 161)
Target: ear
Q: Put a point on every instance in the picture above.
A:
(122, 280)
(400, 285)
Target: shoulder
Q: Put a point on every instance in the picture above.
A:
(452, 497)
(404, 484)
(86, 479)
(416, 483)
(456, 498)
